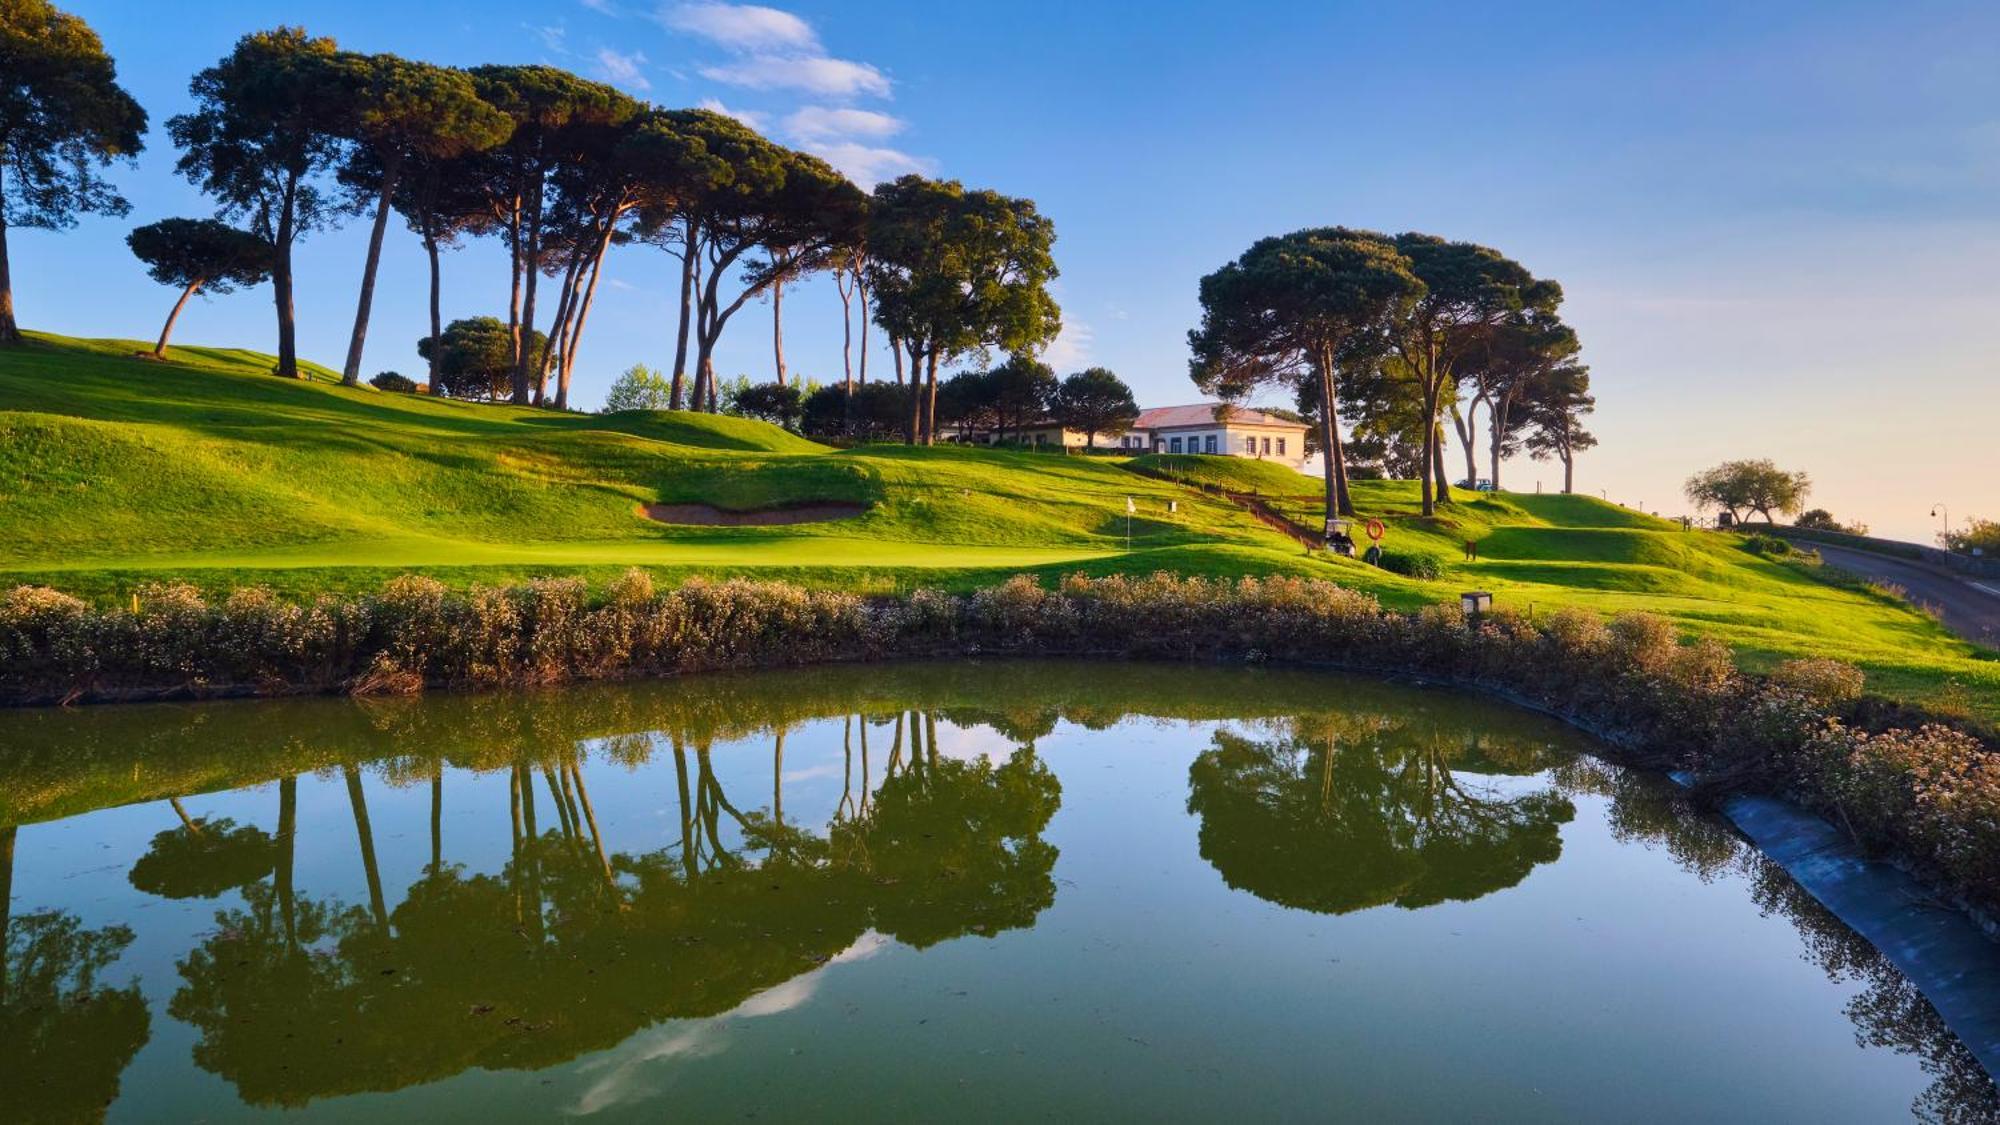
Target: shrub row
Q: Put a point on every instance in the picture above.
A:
(1925, 791)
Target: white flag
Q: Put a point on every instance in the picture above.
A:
(1130, 507)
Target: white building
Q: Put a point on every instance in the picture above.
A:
(1209, 427)
(1203, 427)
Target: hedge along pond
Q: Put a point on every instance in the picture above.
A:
(1023, 887)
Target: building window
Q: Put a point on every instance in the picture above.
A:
(1267, 447)
(1281, 447)
(1208, 444)
(1250, 447)
(1174, 444)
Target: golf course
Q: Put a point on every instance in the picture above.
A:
(117, 470)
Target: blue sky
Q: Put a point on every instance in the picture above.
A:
(1777, 224)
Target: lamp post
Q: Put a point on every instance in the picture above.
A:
(1941, 510)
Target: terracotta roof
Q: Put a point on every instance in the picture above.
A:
(1203, 414)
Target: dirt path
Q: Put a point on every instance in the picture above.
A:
(704, 515)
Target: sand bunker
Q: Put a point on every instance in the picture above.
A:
(703, 515)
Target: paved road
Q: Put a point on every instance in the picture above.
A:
(1969, 608)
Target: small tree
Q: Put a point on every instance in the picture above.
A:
(1022, 390)
(871, 412)
(1977, 535)
(394, 382)
(265, 128)
(62, 116)
(639, 388)
(777, 403)
(197, 255)
(965, 401)
(1819, 519)
(954, 271)
(1556, 406)
(1756, 486)
(475, 359)
(1297, 309)
(1096, 401)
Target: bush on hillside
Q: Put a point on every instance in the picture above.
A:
(1819, 519)
(1411, 566)
(394, 383)
(1767, 545)
(1900, 780)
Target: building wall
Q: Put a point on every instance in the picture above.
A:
(1234, 441)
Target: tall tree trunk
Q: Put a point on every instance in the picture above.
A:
(7, 835)
(778, 779)
(576, 329)
(160, 349)
(913, 422)
(1424, 484)
(514, 279)
(1496, 418)
(688, 841)
(281, 292)
(1332, 454)
(778, 327)
(350, 373)
(896, 353)
(1463, 424)
(1569, 471)
(590, 819)
(366, 834)
(531, 265)
(437, 302)
(930, 398)
(846, 291)
(552, 356)
(437, 819)
(281, 877)
(1437, 464)
(687, 313)
(860, 290)
(10, 332)
(187, 821)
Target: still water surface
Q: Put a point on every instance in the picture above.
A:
(907, 892)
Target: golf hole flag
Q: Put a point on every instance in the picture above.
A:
(1130, 507)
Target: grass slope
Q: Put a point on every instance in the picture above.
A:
(115, 470)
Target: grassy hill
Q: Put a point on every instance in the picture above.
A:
(115, 469)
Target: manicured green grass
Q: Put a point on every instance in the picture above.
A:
(116, 470)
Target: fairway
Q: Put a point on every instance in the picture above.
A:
(115, 471)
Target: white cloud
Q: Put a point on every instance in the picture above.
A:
(749, 117)
(829, 123)
(623, 68)
(632, 1071)
(601, 6)
(868, 165)
(553, 36)
(1071, 350)
(821, 76)
(742, 27)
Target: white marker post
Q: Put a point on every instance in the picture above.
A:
(1130, 507)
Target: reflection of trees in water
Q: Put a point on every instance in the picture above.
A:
(1888, 1011)
(67, 1035)
(572, 946)
(1352, 810)
(203, 858)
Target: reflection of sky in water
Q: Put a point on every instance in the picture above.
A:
(631, 1072)
(1144, 985)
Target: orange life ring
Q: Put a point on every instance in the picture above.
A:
(1376, 531)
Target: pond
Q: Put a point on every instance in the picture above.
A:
(988, 890)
